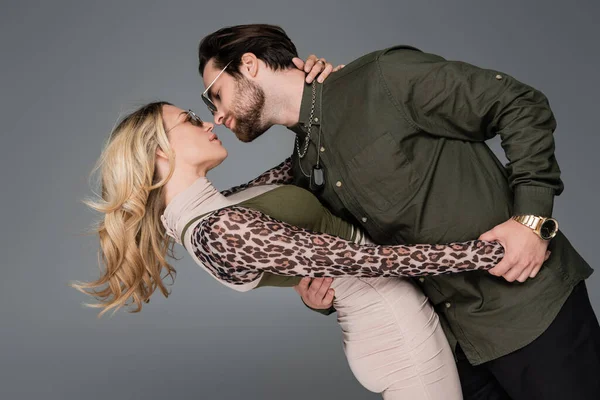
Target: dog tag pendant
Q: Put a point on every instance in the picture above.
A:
(317, 179)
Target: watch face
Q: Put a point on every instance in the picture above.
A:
(548, 229)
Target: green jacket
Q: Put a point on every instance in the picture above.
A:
(402, 142)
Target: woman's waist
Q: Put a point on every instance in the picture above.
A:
(371, 307)
(352, 292)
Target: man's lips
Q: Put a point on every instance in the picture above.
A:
(228, 123)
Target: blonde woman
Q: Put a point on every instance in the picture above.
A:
(155, 193)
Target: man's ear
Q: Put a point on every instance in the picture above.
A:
(250, 65)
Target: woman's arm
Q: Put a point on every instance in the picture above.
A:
(281, 174)
(238, 244)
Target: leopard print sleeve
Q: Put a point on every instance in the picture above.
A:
(281, 174)
(238, 244)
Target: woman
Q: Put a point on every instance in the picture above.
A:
(155, 193)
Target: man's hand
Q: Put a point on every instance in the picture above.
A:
(313, 66)
(524, 251)
(315, 292)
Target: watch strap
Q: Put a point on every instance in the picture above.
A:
(530, 221)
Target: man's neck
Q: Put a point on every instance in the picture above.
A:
(284, 97)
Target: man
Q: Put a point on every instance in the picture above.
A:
(395, 142)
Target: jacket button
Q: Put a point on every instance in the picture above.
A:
(322, 149)
(316, 119)
(338, 184)
(364, 219)
(421, 279)
(499, 77)
(448, 305)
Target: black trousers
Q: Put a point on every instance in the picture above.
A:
(562, 364)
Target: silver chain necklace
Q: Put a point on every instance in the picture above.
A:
(317, 175)
(310, 120)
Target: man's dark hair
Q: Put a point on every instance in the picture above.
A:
(268, 43)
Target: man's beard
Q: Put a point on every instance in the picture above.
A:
(247, 110)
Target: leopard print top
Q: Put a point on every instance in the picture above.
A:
(237, 245)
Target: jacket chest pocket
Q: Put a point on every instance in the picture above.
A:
(383, 175)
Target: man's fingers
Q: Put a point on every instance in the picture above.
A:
(325, 73)
(324, 287)
(516, 271)
(328, 299)
(338, 67)
(310, 61)
(315, 285)
(525, 274)
(548, 252)
(535, 271)
(502, 267)
(315, 70)
(303, 284)
(512, 270)
(298, 62)
(512, 274)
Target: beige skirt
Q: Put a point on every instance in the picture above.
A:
(393, 339)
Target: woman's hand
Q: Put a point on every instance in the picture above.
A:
(316, 66)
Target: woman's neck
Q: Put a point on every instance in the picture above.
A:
(180, 182)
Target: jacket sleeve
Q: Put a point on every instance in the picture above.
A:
(324, 311)
(281, 174)
(238, 244)
(460, 101)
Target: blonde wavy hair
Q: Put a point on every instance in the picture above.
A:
(133, 242)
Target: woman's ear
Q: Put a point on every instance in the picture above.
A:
(250, 65)
(161, 154)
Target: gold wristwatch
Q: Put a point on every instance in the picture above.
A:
(546, 228)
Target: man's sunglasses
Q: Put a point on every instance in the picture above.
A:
(211, 106)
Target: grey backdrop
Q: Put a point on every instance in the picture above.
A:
(69, 68)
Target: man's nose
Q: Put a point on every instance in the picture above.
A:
(219, 116)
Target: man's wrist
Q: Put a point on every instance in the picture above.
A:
(544, 228)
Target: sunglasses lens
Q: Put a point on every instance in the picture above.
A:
(210, 105)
